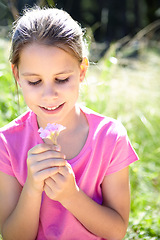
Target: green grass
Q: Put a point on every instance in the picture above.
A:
(128, 91)
(9, 108)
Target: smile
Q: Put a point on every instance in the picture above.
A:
(51, 108)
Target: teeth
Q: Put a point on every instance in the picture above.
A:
(53, 108)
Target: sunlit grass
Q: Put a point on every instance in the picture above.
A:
(9, 107)
(128, 91)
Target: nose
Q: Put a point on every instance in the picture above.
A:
(50, 91)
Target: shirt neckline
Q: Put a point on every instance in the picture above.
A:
(34, 125)
(87, 144)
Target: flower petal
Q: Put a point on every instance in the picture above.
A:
(51, 131)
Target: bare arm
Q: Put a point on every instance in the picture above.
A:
(19, 208)
(109, 220)
(16, 209)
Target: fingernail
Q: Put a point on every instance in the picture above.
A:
(57, 148)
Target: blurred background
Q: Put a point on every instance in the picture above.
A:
(108, 20)
(123, 82)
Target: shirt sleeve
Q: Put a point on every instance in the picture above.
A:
(5, 158)
(123, 154)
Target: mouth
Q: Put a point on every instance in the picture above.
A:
(52, 109)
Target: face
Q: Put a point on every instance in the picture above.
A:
(49, 78)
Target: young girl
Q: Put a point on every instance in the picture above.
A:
(78, 189)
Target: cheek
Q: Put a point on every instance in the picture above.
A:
(73, 91)
(27, 97)
(28, 93)
(73, 86)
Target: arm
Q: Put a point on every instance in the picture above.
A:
(109, 220)
(16, 207)
(19, 218)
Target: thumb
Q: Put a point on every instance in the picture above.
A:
(56, 147)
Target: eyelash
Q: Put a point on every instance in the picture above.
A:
(60, 81)
(34, 83)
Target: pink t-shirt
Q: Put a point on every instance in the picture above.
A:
(107, 150)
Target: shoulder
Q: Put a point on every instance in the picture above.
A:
(19, 124)
(103, 124)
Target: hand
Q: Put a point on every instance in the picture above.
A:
(61, 186)
(43, 161)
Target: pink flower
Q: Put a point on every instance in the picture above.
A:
(51, 132)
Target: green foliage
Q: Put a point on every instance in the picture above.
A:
(9, 99)
(127, 90)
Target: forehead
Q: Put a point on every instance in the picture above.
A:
(43, 57)
(46, 49)
(42, 53)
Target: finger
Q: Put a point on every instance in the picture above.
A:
(50, 182)
(43, 147)
(56, 147)
(49, 154)
(45, 164)
(45, 173)
(63, 172)
(50, 187)
(48, 190)
(58, 178)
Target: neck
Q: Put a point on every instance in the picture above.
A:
(71, 123)
(74, 121)
(77, 122)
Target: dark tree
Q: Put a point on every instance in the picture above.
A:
(152, 6)
(117, 22)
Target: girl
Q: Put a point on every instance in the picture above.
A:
(78, 189)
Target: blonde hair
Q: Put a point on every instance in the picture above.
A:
(48, 26)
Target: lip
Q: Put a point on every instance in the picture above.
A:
(54, 111)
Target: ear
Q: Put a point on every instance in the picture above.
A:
(83, 68)
(15, 73)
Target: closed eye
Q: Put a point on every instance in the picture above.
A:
(34, 83)
(61, 81)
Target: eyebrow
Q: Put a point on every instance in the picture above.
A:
(30, 74)
(35, 74)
